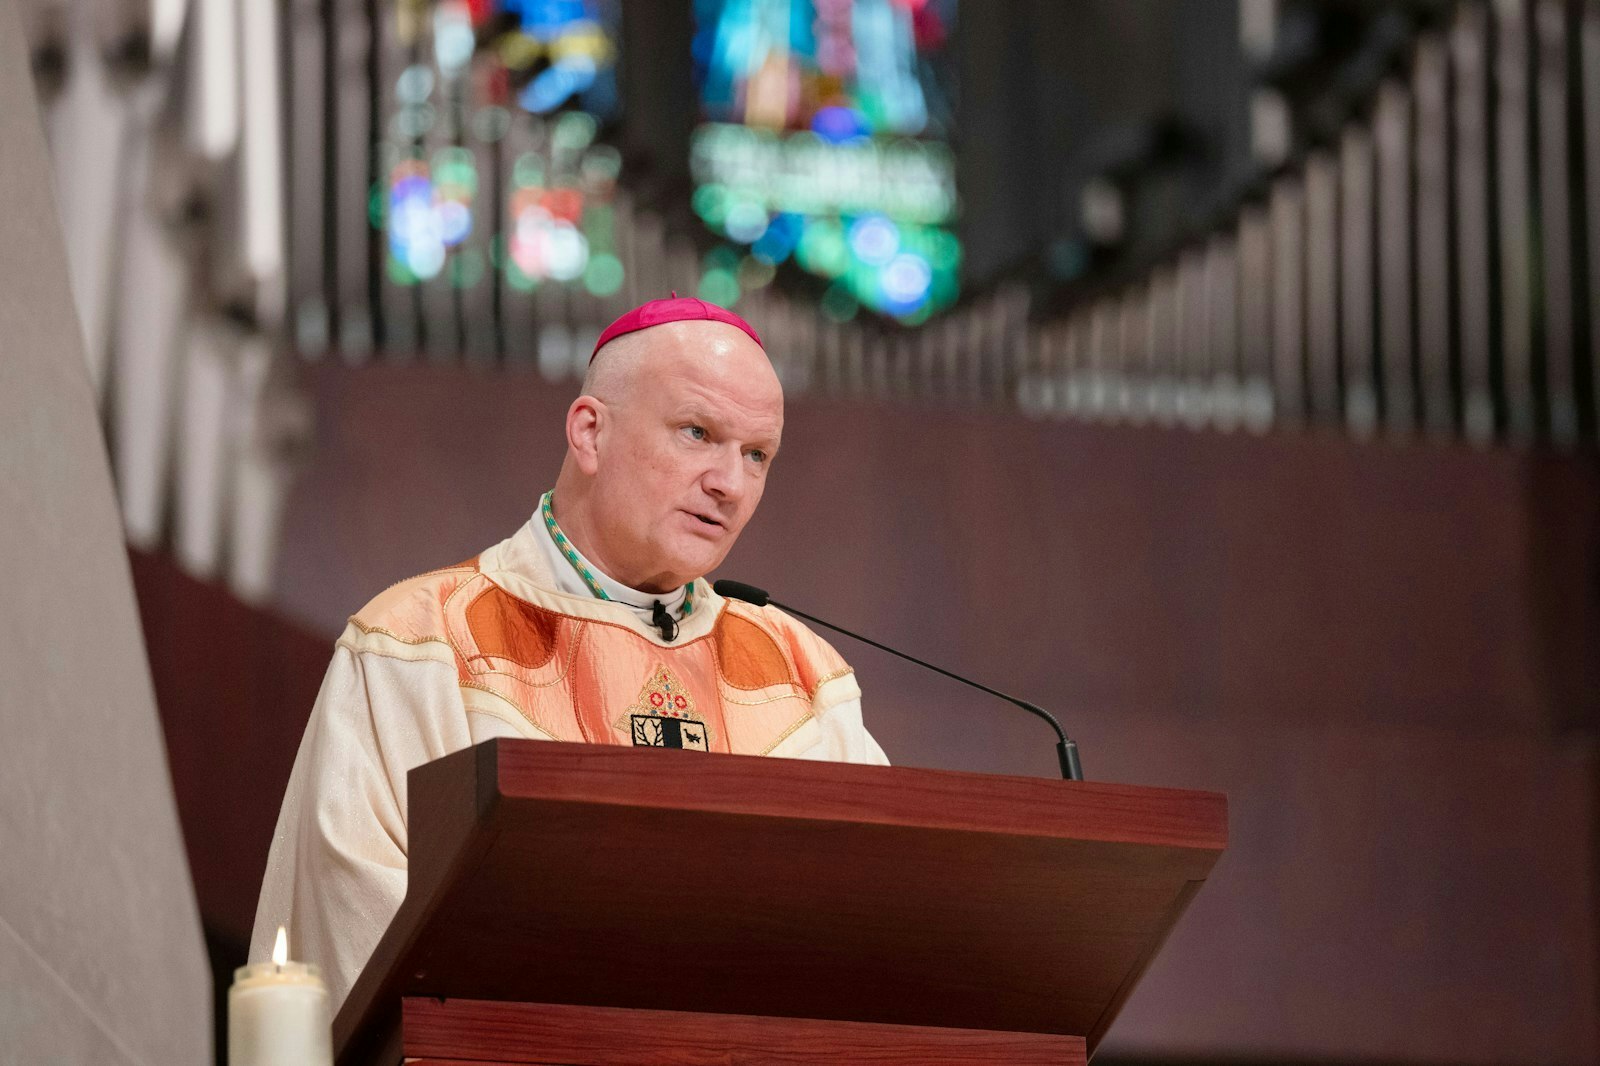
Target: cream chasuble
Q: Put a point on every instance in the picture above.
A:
(511, 644)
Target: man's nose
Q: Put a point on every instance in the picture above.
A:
(722, 478)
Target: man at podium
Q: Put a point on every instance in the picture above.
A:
(593, 623)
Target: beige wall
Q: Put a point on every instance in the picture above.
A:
(100, 949)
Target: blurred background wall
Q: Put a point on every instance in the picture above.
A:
(1219, 375)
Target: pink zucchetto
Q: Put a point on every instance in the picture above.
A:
(676, 309)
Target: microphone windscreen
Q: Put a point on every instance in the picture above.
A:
(738, 590)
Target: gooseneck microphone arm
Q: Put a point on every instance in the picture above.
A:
(1066, 749)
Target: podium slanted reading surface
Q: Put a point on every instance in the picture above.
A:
(600, 906)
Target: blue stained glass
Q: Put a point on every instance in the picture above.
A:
(825, 143)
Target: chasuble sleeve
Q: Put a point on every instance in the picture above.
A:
(836, 731)
(337, 869)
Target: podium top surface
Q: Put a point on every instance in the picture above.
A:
(678, 880)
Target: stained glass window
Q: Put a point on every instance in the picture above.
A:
(492, 157)
(826, 144)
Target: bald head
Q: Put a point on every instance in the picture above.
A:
(668, 450)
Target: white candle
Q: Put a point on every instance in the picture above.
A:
(278, 1013)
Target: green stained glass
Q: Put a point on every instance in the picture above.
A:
(603, 274)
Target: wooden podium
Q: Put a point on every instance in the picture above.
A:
(602, 906)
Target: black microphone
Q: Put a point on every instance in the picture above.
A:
(1066, 750)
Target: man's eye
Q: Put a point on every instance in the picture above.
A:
(757, 455)
(696, 432)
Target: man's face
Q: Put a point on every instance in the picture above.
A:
(682, 457)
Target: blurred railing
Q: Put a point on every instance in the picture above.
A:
(1418, 259)
(1427, 263)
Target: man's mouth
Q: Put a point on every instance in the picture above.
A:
(707, 519)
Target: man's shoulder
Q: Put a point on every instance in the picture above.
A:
(762, 646)
(413, 610)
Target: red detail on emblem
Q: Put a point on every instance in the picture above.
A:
(655, 699)
(680, 702)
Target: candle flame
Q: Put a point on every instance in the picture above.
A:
(280, 950)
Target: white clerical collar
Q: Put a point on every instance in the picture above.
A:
(569, 566)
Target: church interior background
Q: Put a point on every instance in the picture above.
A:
(1223, 375)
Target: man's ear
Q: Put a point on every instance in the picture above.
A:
(585, 419)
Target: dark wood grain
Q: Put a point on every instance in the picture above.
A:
(674, 881)
(479, 1031)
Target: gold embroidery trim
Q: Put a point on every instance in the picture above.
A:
(787, 733)
(444, 608)
(802, 695)
(762, 702)
(368, 630)
(523, 713)
(444, 611)
(836, 675)
(390, 655)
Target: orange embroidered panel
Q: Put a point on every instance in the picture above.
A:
(508, 628)
(748, 656)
